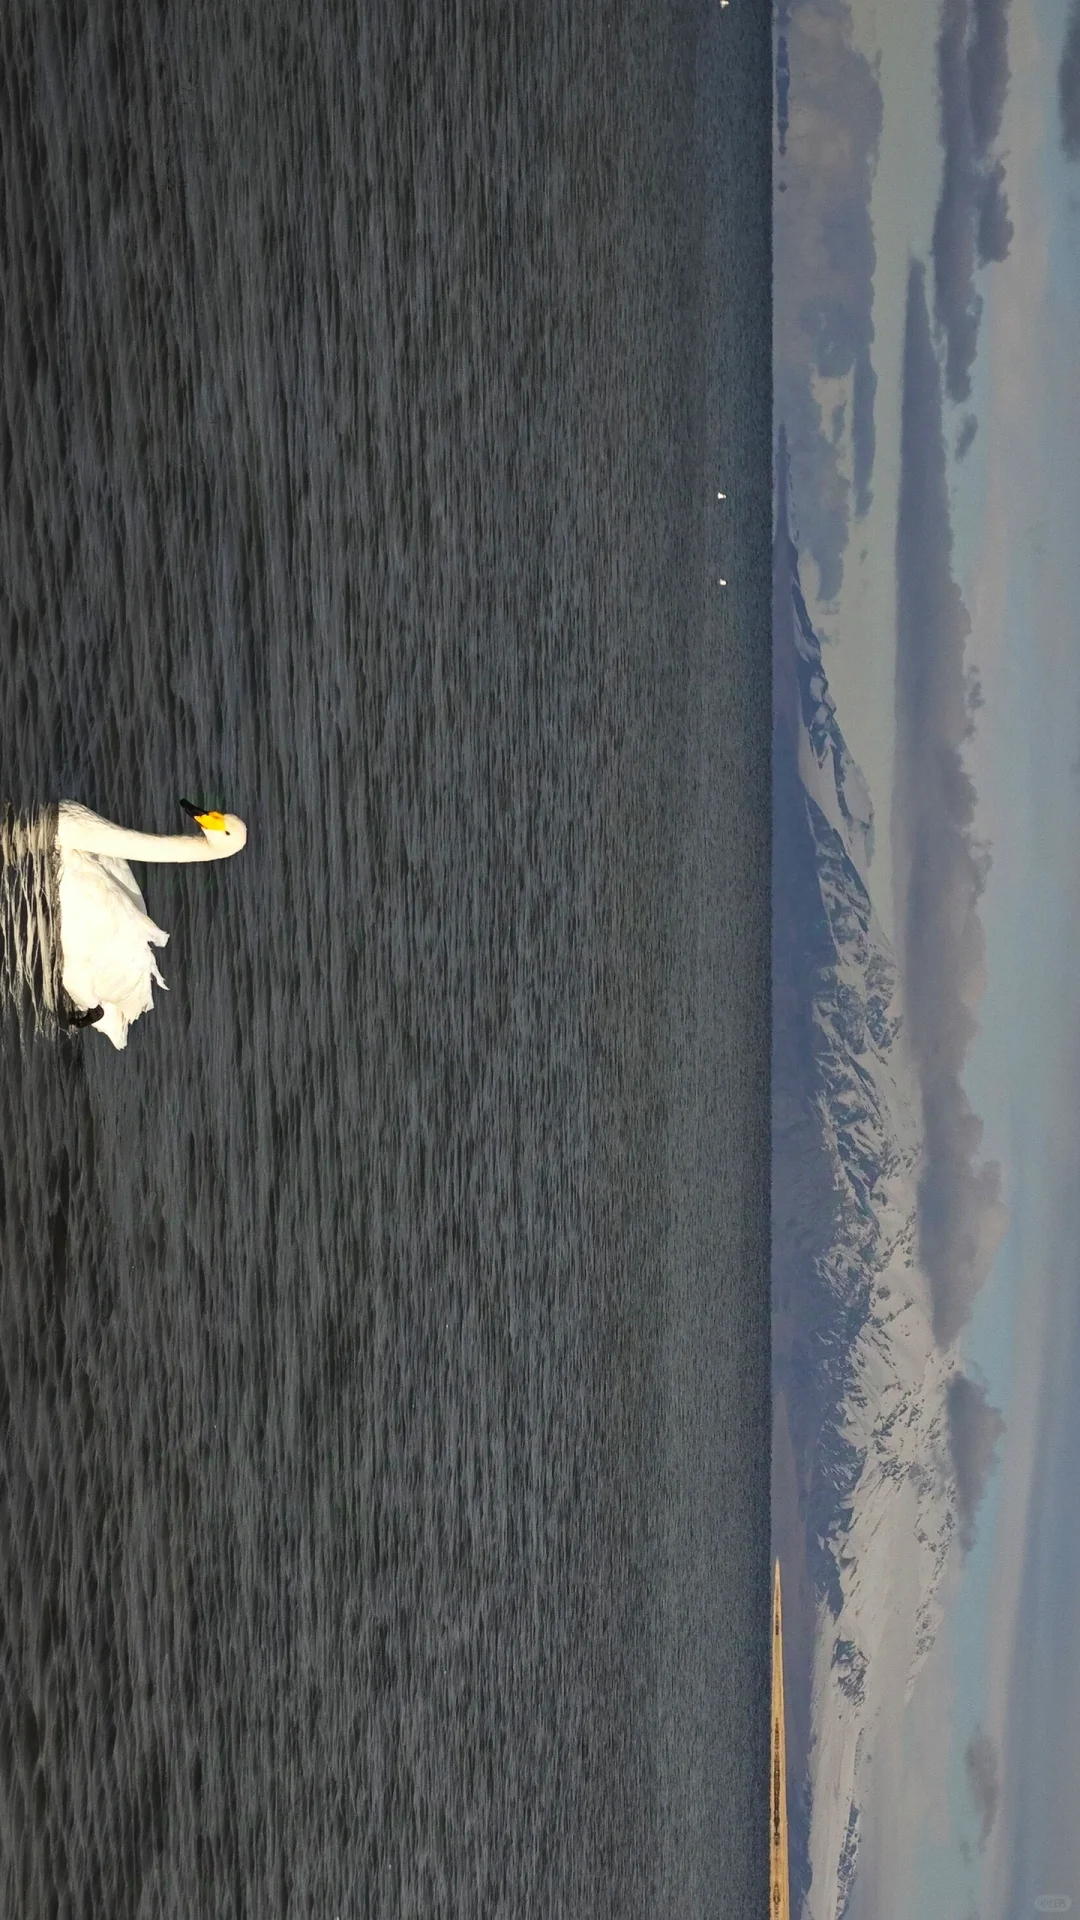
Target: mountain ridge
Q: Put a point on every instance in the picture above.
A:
(862, 1381)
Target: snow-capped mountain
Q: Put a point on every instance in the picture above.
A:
(863, 1381)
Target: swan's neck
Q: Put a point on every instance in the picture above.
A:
(80, 830)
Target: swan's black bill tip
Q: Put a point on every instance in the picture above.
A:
(192, 811)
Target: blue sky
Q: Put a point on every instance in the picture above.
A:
(1023, 1073)
(1008, 1657)
(1012, 1627)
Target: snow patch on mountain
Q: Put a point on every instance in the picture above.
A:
(853, 1341)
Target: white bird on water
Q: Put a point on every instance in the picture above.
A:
(107, 937)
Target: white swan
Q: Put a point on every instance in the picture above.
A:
(106, 935)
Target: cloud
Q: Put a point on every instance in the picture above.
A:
(981, 1765)
(968, 429)
(995, 229)
(941, 865)
(972, 225)
(988, 69)
(863, 435)
(823, 298)
(1069, 86)
(975, 1427)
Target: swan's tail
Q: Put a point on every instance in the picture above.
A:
(31, 955)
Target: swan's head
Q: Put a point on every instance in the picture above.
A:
(226, 832)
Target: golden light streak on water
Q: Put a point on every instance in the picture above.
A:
(779, 1879)
(31, 958)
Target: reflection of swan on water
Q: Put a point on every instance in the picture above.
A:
(106, 935)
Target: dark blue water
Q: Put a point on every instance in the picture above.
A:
(384, 1336)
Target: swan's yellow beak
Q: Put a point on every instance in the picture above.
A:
(208, 819)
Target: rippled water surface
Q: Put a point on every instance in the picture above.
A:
(384, 1336)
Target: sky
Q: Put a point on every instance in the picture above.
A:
(902, 202)
(1015, 1625)
(974, 1811)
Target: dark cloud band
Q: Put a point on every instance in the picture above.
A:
(941, 865)
(975, 1427)
(972, 225)
(1069, 86)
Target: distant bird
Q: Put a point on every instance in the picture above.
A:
(106, 935)
(722, 496)
(723, 583)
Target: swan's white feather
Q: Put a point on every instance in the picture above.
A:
(107, 937)
(108, 941)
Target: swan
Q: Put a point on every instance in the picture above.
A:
(107, 938)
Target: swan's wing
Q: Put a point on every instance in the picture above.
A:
(106, 938)
(123, 876)
(114, 1025)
